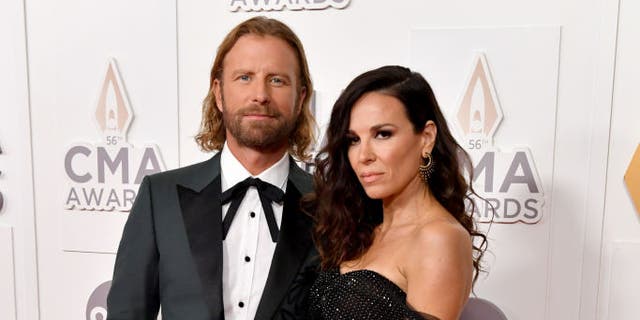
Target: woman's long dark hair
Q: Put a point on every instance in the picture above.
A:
(345, 216)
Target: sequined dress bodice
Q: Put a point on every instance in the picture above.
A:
(358, 295)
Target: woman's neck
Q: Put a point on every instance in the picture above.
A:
(407, 206)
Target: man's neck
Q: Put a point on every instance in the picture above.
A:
(256, 161)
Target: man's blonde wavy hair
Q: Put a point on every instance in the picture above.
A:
(212, 130)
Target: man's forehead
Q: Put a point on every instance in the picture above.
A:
(255, 46)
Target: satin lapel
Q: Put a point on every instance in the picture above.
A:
(293, 246)
(202, 214)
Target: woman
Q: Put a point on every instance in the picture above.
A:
(393, 232)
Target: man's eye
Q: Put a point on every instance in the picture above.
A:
(277, 81)
(244, 77)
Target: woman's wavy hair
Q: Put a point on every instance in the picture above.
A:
(345, 216)
(212, 130)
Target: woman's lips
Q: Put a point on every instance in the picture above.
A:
(370, 177)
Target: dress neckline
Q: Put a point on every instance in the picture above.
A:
(377, 274)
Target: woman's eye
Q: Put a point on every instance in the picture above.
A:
(383, 134)
(353, 140)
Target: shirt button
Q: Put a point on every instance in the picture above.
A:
(247, 259)
(241, 304)
(252, 214)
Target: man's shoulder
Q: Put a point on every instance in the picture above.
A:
(204, 170)
(302, 180)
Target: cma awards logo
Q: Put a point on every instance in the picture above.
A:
(105, 175)
(97, 304)
(508, 180)
(279, 5)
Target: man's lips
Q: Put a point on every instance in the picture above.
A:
(258, 116)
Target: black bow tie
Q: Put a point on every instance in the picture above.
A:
(268, 193)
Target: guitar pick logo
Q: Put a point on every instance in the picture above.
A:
(632, 179)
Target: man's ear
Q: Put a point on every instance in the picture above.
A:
(216, 88)
(301, 97)
(429, 134)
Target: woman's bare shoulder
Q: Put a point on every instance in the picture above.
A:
(439, 268)
(440, 233)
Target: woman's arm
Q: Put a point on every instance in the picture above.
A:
(439, 270)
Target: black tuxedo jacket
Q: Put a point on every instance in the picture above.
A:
(170, 254)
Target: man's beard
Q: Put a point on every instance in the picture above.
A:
(260, 135)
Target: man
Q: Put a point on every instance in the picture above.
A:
(209, 241)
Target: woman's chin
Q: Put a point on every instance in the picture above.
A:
(376, 193)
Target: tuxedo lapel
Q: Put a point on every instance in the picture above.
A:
(202, 215)
(293, 245)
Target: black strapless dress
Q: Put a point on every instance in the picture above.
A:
(359, 295)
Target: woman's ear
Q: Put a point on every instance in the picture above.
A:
(429, 134)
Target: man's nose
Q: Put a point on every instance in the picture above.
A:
(261, 92)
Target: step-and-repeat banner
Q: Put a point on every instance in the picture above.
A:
(116, 91)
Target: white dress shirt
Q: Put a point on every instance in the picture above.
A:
(248, 248)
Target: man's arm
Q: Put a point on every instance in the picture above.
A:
(134, 289)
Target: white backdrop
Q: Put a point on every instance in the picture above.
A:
(552, 65)
(621, 222)
(18, 270)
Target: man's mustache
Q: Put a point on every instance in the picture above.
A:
(262, 110)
